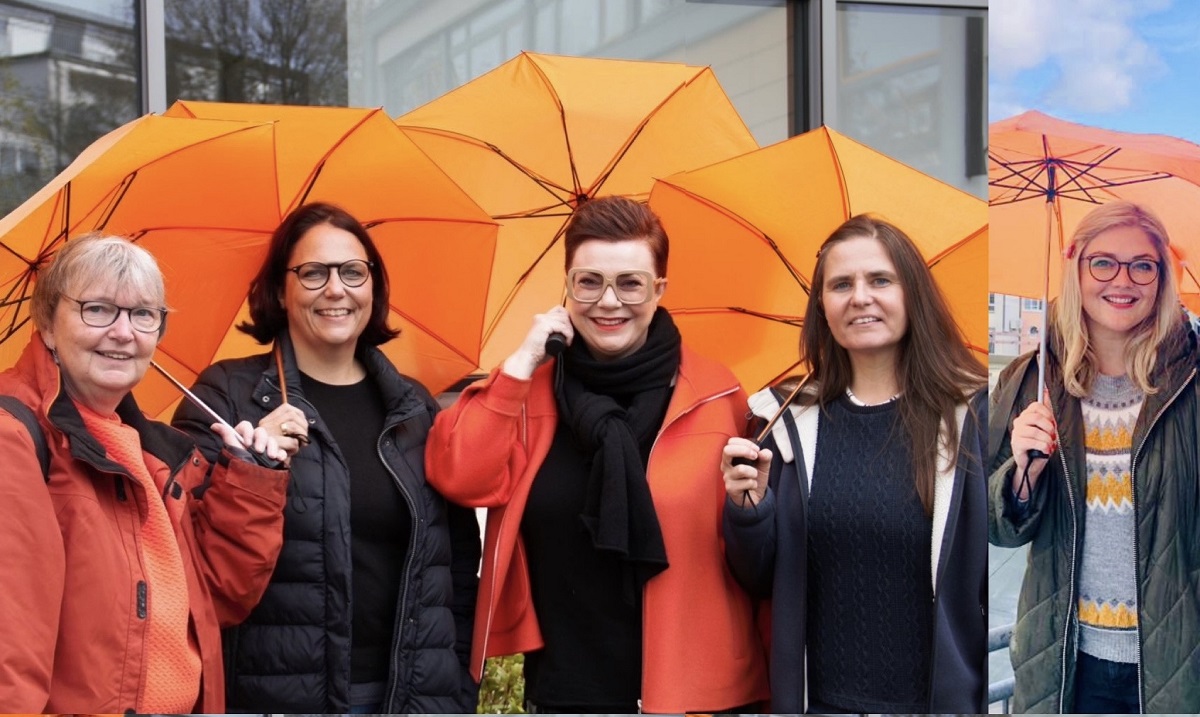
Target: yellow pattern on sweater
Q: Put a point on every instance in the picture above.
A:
(1105, 615)
(1110, 491)
(1106, 439)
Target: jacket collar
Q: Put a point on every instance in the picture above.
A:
(42, 378)
(400, 396)
(1175, 363)
(948, 483)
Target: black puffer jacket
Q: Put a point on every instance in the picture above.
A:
(293, 653)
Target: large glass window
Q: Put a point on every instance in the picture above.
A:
(264, 51)
(404, 54)
(910, 83)
(67, 76)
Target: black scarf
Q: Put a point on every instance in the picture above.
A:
(618, 511)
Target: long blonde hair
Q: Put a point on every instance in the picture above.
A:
(1079, 360)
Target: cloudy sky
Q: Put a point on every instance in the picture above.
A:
(1118, 64)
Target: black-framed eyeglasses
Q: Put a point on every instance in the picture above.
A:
(101, 314)
(1105, 268)
(314, 275)
(587, 286)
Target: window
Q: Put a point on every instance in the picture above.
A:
(909, 81)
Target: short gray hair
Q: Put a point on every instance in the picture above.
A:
(96, 258)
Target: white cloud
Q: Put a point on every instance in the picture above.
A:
(1090, 55)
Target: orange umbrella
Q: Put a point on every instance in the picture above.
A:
(204, 195)
(1045, 174)
(537, 135)
(745, 233)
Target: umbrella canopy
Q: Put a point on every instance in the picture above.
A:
(1045, 174)
(539, 134)
(745, 233)
(204, 194)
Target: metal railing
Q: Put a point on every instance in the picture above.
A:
(1002, 691)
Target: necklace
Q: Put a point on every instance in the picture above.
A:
(859, 402)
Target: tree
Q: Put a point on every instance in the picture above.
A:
(266, 51)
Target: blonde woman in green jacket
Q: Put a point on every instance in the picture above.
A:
(1109, 614)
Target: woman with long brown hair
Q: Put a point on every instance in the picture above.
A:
(863, 514)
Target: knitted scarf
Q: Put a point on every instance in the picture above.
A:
(618, 511)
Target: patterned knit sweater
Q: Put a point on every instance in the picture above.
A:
(1108, 611)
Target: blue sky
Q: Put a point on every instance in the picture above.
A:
(1119, 64)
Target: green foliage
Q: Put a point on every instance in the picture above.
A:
(503, 688)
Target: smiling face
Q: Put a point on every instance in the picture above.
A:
(100, 365)
(329, 319)
(1112, 309)
(862, 297)
(611, 329)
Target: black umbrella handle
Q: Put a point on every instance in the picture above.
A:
(555, 343)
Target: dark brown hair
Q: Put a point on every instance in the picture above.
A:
(936, 370)
(268, 317)
(616, 219)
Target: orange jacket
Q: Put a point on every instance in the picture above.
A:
(73, 641)
(700, 648)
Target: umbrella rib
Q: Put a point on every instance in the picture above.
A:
(633, 136)
(552, 188)
(487, 332)
(577, 190)
(840, 174)
(436, 336)
(749, 226)
(701, 310)
(936, 258)
(320, 167)
(106, 214)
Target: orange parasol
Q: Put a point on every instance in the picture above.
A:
(204, 195)
(745, 233)
(541, 133)
(1045, 174)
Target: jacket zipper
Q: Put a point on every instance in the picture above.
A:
(406, 574)
(1062, 685)
(1136, 547)
(496, 555)
(1062, 693)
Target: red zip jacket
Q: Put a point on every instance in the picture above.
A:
(700, 649)
(73, 631)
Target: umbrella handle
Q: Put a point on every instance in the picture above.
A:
(766, 431)
(555, 343)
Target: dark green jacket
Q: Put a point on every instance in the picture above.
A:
(1166, 501)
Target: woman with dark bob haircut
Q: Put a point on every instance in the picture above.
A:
(371, 606)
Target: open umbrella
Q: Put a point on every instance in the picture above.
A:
(533, 138)
(1045, 174)
(206, 206)
(745, 233)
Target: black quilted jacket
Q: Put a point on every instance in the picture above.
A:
(293, 653)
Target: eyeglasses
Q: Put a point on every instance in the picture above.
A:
(587, 286)
(1106, 268)
(315, 275)
(100, 314)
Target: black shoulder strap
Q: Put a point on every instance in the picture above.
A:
(25, 415)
